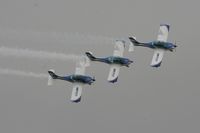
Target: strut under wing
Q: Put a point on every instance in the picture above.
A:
(157, 57)
(163, 32)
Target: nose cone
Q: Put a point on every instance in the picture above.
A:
(172, 46)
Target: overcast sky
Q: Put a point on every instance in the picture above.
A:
(145, 99)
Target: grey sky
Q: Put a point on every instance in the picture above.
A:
(145, 99)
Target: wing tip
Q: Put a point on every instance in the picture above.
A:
(77, 100)
(156, 65)
(167, 25)
(114, 80)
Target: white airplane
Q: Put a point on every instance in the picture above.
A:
(78, 79)
(115, 61)
(160, 45)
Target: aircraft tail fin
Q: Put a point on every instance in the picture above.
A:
(134, 41)
(51, 77)
(90, 56)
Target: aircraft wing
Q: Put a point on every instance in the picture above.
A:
(163, 32)
(114, 69)
(159, 53)
(80, 69)
(114, 73)
(157, 57)
(76, 92)
(119, 48)
(77, 87)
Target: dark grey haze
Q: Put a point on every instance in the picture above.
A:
(145, 99)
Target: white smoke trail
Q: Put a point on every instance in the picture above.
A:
(22, 73)
(28, 53)
(22, 37)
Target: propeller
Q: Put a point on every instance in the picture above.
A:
(175, 45)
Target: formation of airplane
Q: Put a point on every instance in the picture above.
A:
(160, 45)
(78, 79)
(116, 61)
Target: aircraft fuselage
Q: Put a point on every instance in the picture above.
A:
(77, 78)
(115, 60)
(159, 44)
